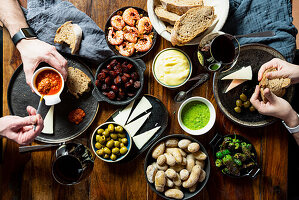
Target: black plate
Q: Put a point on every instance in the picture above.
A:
(112, 47)
(149, 160)
(158, 117)
(19, 95)
(255, 55)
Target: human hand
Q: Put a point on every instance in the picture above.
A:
(35, 51)
(284, 70)
(20, 129)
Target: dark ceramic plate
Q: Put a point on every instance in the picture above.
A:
(158, 117)
(19, 96)
(255, 55)
(149, 160)
(112, 47)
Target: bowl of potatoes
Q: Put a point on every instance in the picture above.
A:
(177, 167)
(111, 142)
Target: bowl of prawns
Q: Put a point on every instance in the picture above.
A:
(129, 32)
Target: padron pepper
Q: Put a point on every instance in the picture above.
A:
(231, 165)
(222, 153)
(218, 163)
(237, 161)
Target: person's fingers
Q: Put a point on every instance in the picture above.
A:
(31, 110)
(254, 98)
(26, 121)
(28, 70)
(264, 67)
(269, 95)
(29, 133)
(27, 128)
(62, 63)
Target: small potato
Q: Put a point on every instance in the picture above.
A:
(183, 144)
(193, 188)
(200, 155)
(190, 162)
(170, 173)
(177, 181)
(184, 161)
(176, 154)
(151, 171)
(184, 154)
(169, 183)
(184, 174)
(193, 147)
(201, 163)
(202, 176)
(172, 142)
(170, 160)
(160, 181)
(177, 167)
(158, 150)
(162, 167)
(174, 193)
(193, 178)
(161, 160)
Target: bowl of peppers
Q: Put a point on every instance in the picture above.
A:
(235, 156)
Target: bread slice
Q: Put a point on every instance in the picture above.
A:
(277, 86)
(180, 7)
(169, 28)
(166, 16)
(77, 82)
(71, 34)
(192, 23)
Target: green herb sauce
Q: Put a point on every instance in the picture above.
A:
(195, 115)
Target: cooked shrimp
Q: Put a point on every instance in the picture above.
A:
(144, 25)
(144, 43)
(130, 16)
(117, 22)
(130, 34)
(126, 49)
(115, 38)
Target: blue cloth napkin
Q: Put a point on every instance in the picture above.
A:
(46, 16)
(249, 16)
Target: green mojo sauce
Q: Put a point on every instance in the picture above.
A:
(195, 115)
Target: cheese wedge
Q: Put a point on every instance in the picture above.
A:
(245, 73)
(134, 126)
(48, 122)
(143, 138)
(234, 84)
(123, 115)
(141, 107)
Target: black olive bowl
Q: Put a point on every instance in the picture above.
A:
(108, 24)
(250, 172)
(149, 160)
(140, 67)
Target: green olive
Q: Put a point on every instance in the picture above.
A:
(116, 143)
(98, 138)
(113, 136)
(119, 129)
(243, 97)
(100, 131)
(100, 152)
(252, 108)
(98, 145)
(239, 103)
(124, 140)
(107, 150)
(121, 145)
(102, 139)
(110, 128)
(108, 138)
(237, 109)
(113, 157)
(106, 133)
(115, 150)
(106, 156)
(123, 150)
(121, 135)
(110, 144)
(246, 104)
(119, 139)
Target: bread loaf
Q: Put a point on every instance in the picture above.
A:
(77, 82)
(180, 7)
(70, 34)
(166, 16)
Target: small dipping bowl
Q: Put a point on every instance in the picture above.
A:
(154, 70)
(49, 99)
(210, 123)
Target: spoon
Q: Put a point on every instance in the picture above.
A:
(182, 94)
(38, 108)
(24, 149)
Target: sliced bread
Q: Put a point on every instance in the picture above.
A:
(180, 7)
(192, 23)
(166, 16)
(77, 82)
(70, 34)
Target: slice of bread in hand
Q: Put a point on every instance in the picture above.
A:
(192, 23)
(77, 82)
(180, 7)
(71, 34)
(166, 16)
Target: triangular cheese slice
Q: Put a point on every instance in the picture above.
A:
(141, 107)
(134, 126)
(234, 84)
(123, 115)
(244, 73)
(48, 122)
(143, 138)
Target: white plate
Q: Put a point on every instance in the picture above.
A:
(221, 10)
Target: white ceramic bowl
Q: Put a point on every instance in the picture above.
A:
(209, 125)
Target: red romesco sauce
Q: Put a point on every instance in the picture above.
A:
(48, 82)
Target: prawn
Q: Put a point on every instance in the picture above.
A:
(126, 49)
(130, 34)
(117, 22)
(144, 25)
(144, 43)
(130, 16)
(115, 38)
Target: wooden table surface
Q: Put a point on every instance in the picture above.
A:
(28, 176)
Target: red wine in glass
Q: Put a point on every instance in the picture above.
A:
(223, 49)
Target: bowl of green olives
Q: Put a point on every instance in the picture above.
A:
(111, 142)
